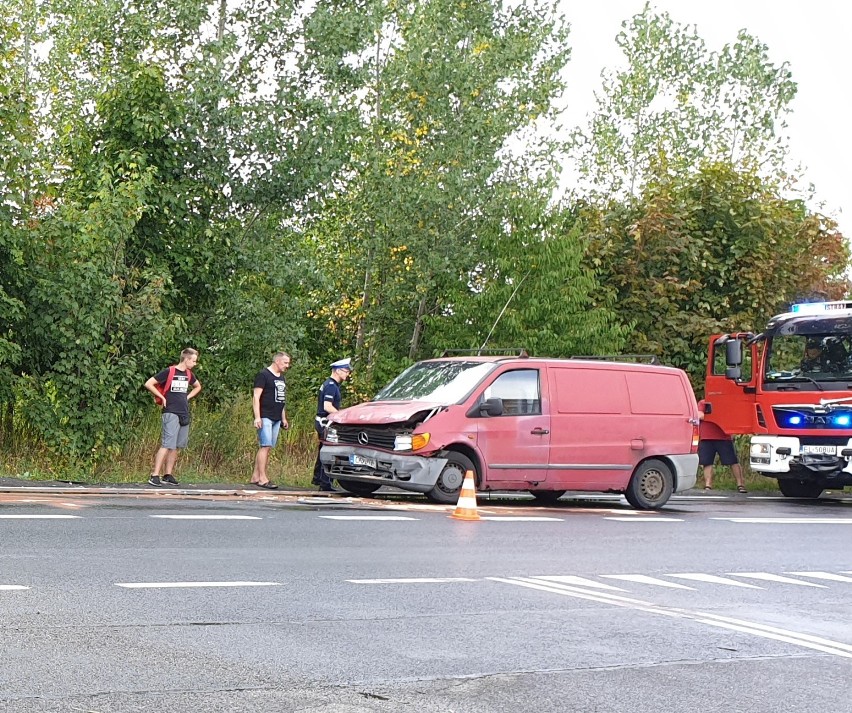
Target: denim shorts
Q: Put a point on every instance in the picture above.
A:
(267, 434)
(174, 435)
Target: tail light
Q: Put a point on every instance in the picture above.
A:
(694, 448)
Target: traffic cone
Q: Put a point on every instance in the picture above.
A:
(466, 507)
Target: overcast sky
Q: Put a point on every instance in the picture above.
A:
(812, 36)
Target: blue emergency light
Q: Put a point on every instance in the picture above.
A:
(817, 307)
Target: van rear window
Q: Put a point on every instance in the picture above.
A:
(589, 390)
(656, 394)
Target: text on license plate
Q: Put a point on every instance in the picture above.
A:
(355, 459)
(827, 450)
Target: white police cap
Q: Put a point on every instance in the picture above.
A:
(343, 364)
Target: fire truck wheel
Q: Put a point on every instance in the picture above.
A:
(448, 487)
(651, 485)
(799, 488)
(356, 487)
(547, 497)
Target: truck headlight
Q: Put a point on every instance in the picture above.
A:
(331, 435)
(410, 442)
(760, 449)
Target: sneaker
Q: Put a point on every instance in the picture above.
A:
(155, 481)
(170, 479)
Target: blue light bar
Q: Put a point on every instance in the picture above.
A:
(816, 307)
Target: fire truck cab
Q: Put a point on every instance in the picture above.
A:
(790, 387)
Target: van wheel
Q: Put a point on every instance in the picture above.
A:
(356, 487)
(791, 488)
(547, 497)
(651, 485)
(448, 486)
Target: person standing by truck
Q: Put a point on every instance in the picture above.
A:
(712, 440)
(328, 402)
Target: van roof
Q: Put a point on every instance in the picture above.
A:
(553, 360)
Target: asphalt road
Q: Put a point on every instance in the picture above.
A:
(726, 603)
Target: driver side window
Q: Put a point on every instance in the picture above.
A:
(519, 390)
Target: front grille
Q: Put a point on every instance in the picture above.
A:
(367, 436)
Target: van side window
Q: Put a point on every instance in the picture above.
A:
(519, 390)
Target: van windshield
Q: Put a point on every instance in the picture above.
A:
(445, 382)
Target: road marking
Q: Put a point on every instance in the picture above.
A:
(645, 579)
(747, 627)
(522, 518)
(40, 517)
(177, 585)
(765, 576)
(823, 575)
(579, 582)
(413, 580)
(12, 587)
(367, 517)
(713, 579)
(207, 517)
(645, 519)
(788, 520)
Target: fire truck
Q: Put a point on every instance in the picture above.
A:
(790, 387)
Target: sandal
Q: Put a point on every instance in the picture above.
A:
(708, 487)
(741, 489)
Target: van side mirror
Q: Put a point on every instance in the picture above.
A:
(733, 353)
(491, 407)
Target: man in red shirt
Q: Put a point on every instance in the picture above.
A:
(713, 440)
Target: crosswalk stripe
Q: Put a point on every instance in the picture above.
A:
(367, 517)
(579, 582)
(12, 587)
(645, 579)
(713, 579)
(178, 585)
(823, 575)
(207, 517)
(509, 518)
(765, 576)
(40, 517)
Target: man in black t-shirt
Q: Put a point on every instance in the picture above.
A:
(328, 401)
(269, 402)
(175, 402)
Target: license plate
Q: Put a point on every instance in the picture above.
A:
(826, 450)
(355, 459)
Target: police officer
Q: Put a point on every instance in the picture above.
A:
(328, 402)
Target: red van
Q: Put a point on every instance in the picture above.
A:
(542, 425)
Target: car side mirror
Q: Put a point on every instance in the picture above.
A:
(491, 407)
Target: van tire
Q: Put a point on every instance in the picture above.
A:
(448, 486)
(650, 486)
(791, 488)
(356, 487)
(547, 497)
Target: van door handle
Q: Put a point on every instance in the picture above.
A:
(539, 431)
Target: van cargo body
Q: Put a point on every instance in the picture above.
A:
(542, 425)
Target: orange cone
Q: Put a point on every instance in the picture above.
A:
(466, 507)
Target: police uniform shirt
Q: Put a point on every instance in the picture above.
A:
(329, 393)
(273, 398)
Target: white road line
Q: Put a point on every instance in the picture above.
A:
(645, 579)
(412, 580)
(765, 576)
(39, 517)
(767, 632)
(788, 520)
(367, 517)
(520, 518)
(12, 587)
(829, 576)
(207, 517)
(579, 582)
(645, 519)
(178, 585)
(713, 579)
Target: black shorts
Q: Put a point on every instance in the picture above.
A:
(707, 451)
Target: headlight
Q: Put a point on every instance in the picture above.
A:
(410, 442)
(331, 435)
(760, 449)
